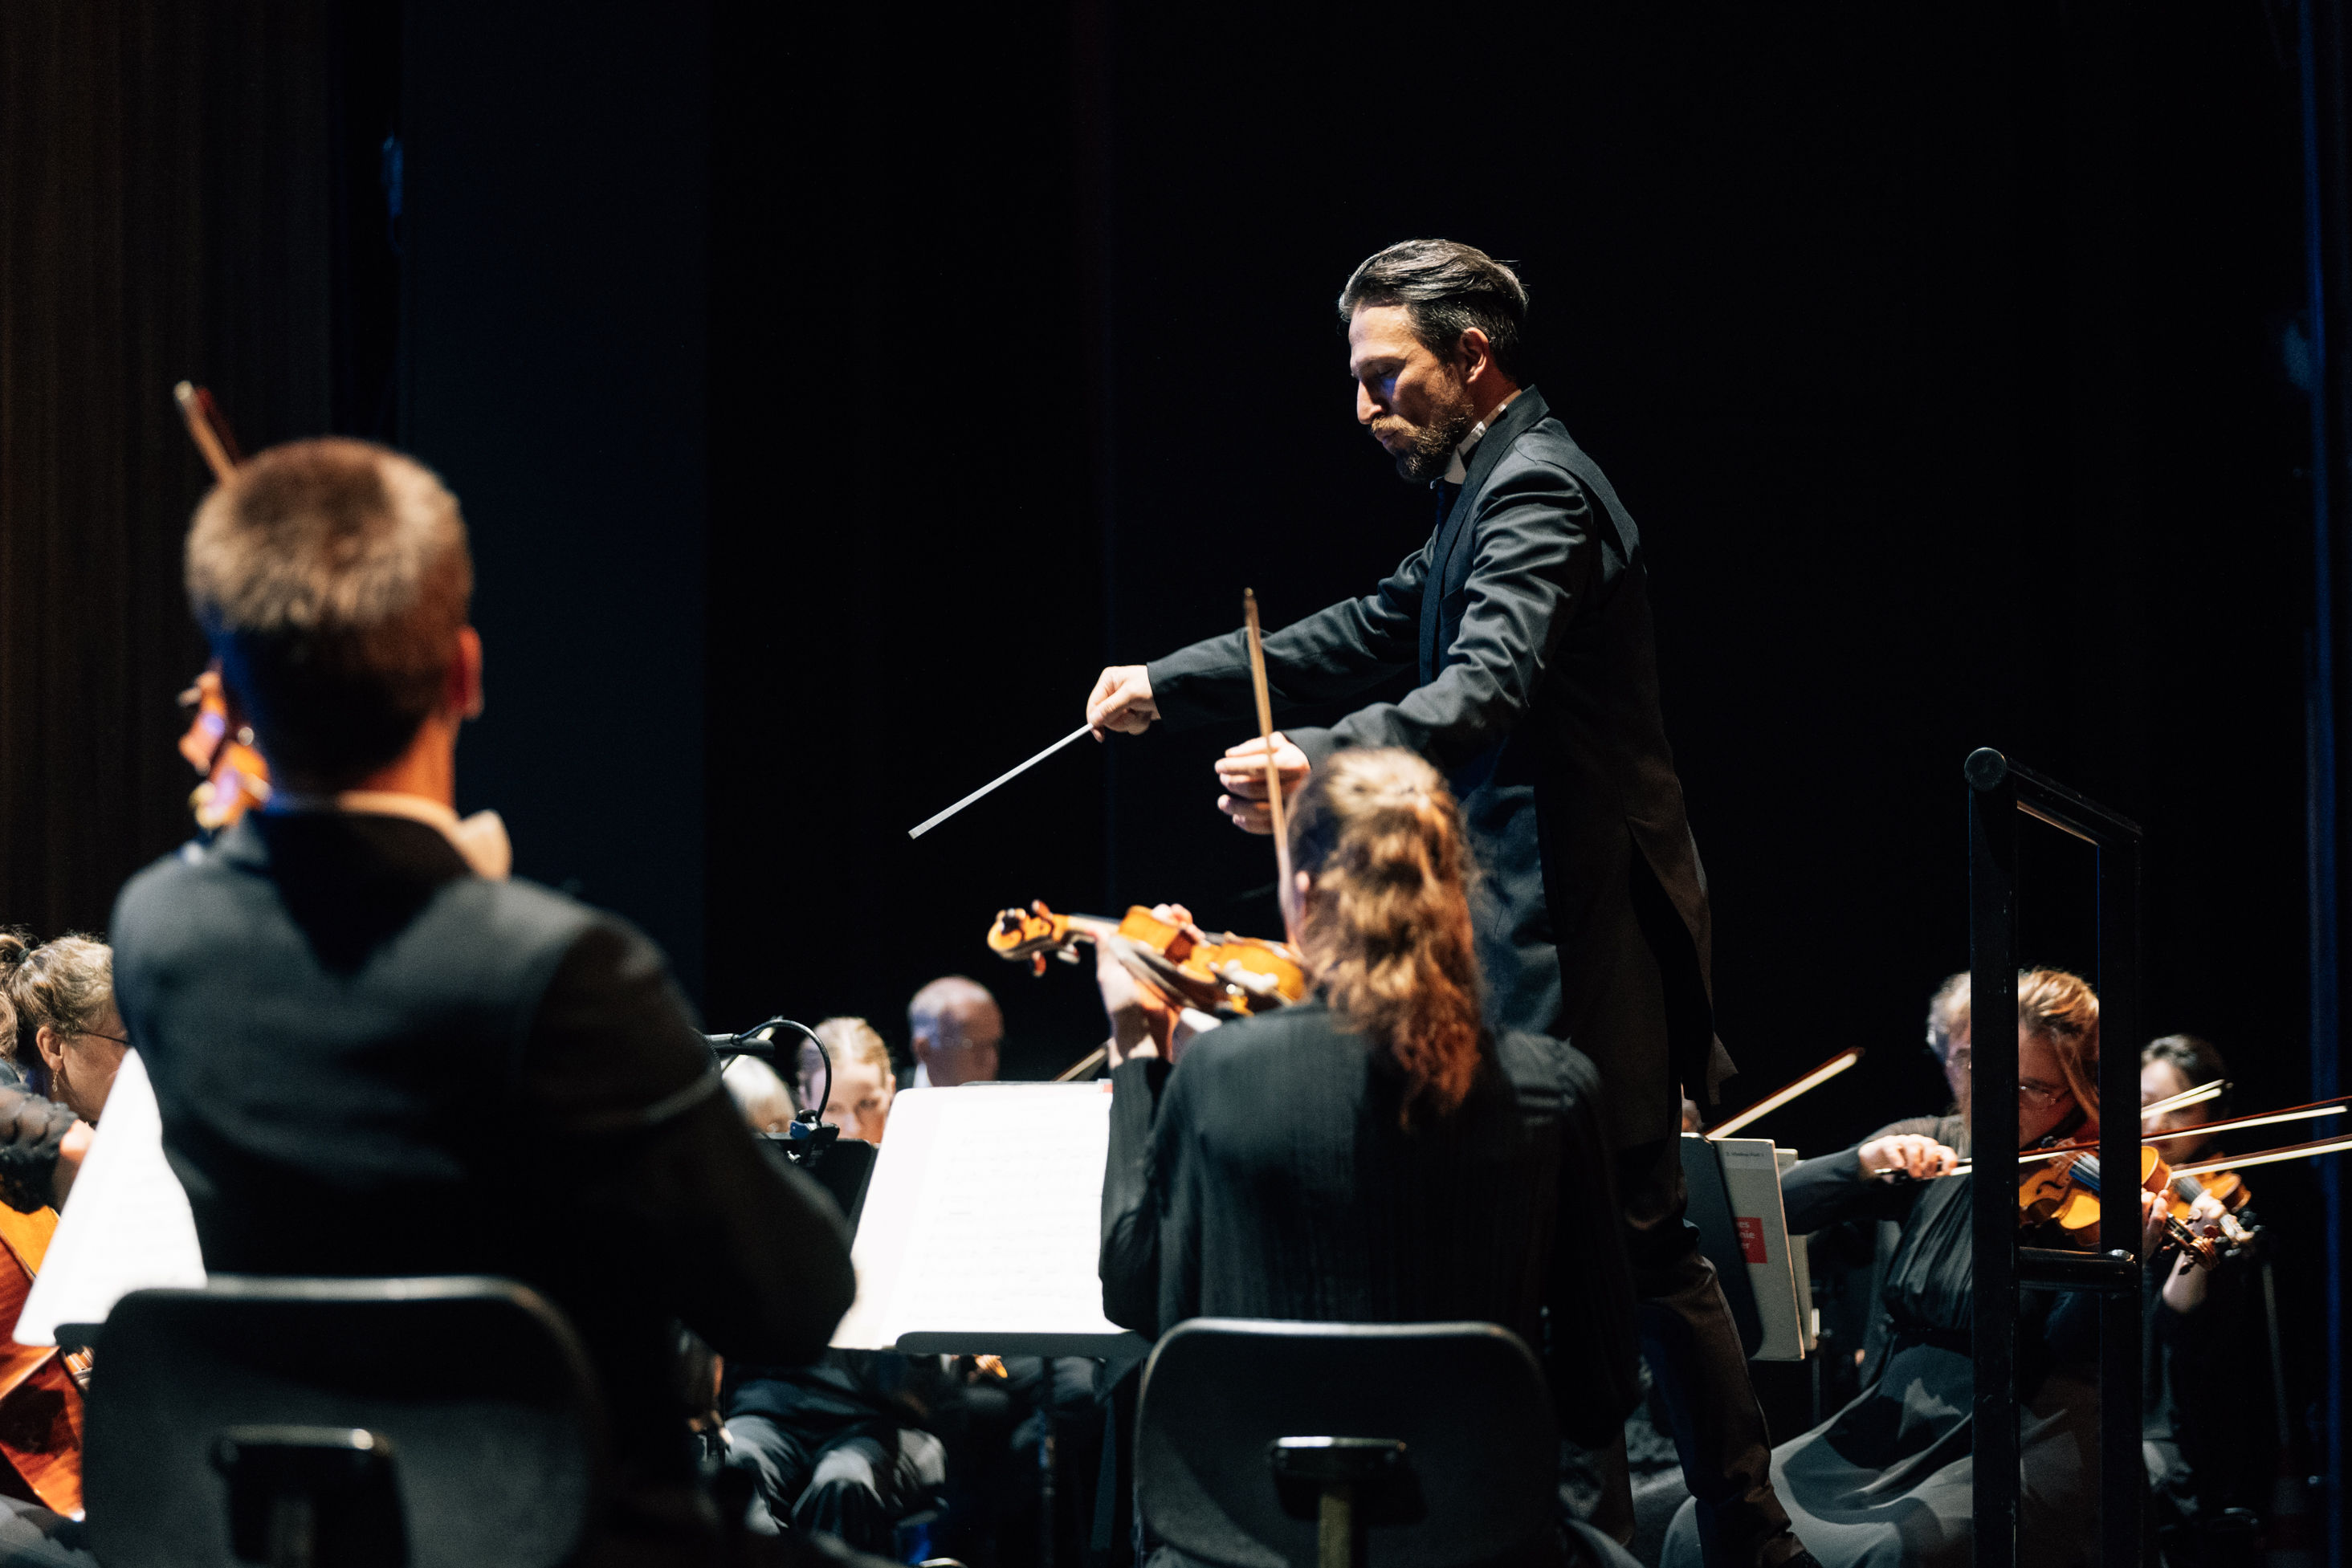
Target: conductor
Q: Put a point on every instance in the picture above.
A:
(1525, 619)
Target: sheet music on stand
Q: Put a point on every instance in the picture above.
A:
(983, 1225)
(126, 1225)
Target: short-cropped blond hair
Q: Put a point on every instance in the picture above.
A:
(331, 577)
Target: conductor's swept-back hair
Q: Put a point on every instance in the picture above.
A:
(1386, 922)
(331, 577)
(1446, 288)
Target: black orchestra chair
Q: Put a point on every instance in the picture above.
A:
(442, 1423)
(1264, 1444)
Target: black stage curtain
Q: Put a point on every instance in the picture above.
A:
(166, 215)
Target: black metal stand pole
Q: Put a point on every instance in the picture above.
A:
(1999, 789)
(2123, 1478)
(1992, 1044)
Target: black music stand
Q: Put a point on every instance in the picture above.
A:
(1999, 791)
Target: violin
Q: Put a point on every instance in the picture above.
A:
(41, 1387)
(2227, 1188)
(2063, 1190)
(1229, 976)
(233, 778)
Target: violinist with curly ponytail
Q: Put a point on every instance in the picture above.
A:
(1375, 1154)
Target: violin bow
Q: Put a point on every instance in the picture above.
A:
(1266, 735)
(208, 429)
(2312, 1111)
(2196, 1096)
(1788, 1092)
(2266, 1156)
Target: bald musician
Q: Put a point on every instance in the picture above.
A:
(956, 1028)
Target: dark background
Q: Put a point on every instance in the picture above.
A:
(1939, 356)
(832, 395)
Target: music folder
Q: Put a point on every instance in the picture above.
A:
(982, 1224)
(1734, 1201)
(126, 1225)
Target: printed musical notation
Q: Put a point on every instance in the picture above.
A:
(984, 1215)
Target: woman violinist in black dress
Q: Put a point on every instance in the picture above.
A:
(1888, 1479)
(1373, 1154)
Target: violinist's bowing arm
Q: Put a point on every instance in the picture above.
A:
(1821, 1191)
(1920, 1157)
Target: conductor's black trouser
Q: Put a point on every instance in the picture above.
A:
(1694, 1355)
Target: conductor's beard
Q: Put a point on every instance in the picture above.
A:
(1422, 452)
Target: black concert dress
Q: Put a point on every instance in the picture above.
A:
(1888, 1479)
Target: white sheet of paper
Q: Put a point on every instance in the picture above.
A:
(984, 1215)
(125, 1226)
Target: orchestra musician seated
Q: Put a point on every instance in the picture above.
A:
(1374, 1153)
(2208, 1431)
(375, 1056)
(990, 1423)
(766, 1104)
(955, 1028)
(853, 1075)
(841, 1447)
(63, 1043)
(1887, 1480)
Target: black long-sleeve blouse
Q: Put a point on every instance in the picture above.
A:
(31, 1130)
(1268, 1175)
(1930, 1289)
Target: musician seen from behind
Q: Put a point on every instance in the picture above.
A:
(1526, 621)
(1376, 1154)
(956, 1028)
(1889, 1479)
(2210, 1437)
(372, 1058)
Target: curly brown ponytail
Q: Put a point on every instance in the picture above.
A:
(1386, 930)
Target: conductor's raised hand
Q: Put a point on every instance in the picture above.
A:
(1121, 700)
(1241, 773)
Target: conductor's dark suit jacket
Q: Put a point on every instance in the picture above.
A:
(1527, 619)
(1266, 1175)
(371, 1062)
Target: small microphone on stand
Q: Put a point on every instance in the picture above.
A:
(808, 1141)
(741, 1045)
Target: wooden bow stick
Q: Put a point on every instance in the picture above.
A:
(1265, 734)
(1781, 1096)
(2312, 1112)
(208, 429)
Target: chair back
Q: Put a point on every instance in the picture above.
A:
(1480, 1476)
(461, 1413)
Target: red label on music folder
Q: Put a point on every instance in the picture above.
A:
(1751, 1238)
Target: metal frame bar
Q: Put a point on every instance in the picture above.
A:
(1999, 791)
